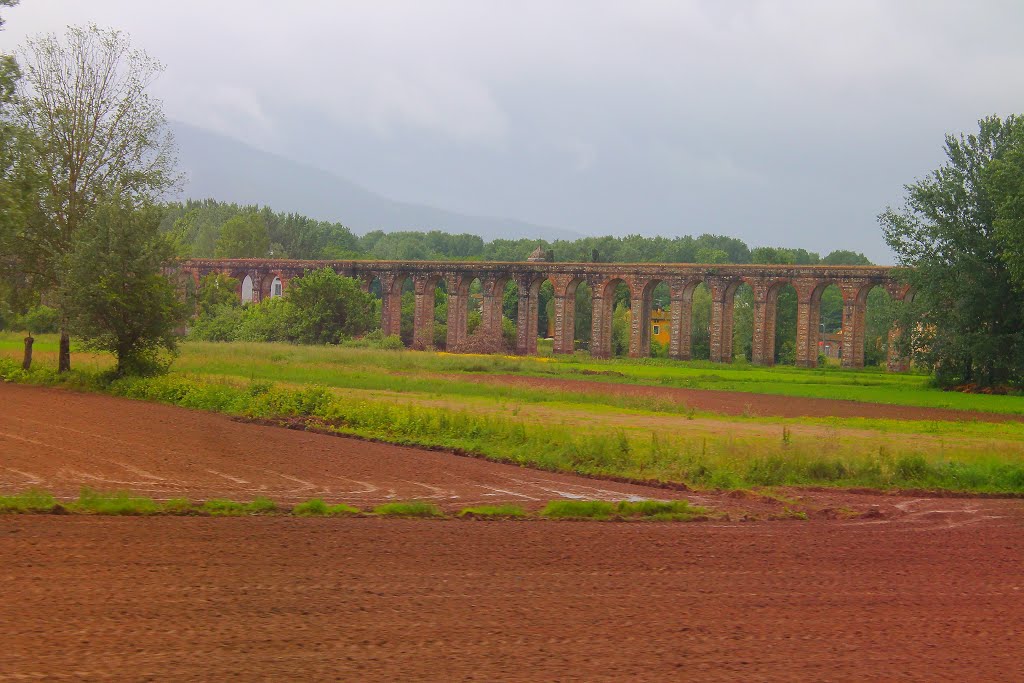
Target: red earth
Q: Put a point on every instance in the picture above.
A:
(914, 588)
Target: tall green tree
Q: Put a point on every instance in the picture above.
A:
(244, 236)
(119, 300)
(96, 133)
(329, 307)
(955, 229)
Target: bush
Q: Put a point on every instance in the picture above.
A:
(220, 324)
(271, 320)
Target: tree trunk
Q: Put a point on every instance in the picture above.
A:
(26, 363)
(64, 357)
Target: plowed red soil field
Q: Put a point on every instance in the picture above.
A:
(924, 589)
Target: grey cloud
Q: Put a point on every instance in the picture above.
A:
(779, 122)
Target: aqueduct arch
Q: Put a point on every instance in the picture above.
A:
(809, 282)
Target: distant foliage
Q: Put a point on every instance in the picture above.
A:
(37, 320)
(199, 226)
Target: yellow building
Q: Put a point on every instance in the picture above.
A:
(660, 325)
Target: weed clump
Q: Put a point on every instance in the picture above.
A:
(413, 509)
(179, 506)
(32, 500)
(117, 503)
(493, 512)
(578, 509)
(219, 507)
(662, 510)
(316, 507)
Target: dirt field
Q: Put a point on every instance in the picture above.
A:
(744, 403)
(923, 589)
(385, 600)
(61, 441)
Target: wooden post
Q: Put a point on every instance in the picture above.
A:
(26, 363)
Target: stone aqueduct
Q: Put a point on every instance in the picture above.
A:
(722, 280)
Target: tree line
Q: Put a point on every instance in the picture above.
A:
(212, 229)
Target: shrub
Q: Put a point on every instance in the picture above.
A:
(219, 325)
(268, 321)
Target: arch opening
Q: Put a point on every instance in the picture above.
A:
(826, 325)
(406, 293)
(248, 290)
(656, 320)
(509, 315)
(784, 340)
(743, 332)
(880, 313)
(700, 322)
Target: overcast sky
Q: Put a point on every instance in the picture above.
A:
(782, 123)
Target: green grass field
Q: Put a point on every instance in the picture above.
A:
(419, 372)
(429, 399)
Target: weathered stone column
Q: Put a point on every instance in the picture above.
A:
(458, 312)
(639, 319)
(391, 303)
(600, 324)
(565, 312)
(423, 320)
(722, 292)
(565, 323)
(854, 305)
(808, 315)
(681, 333)
(526, 316)
(491, 313)
(762, 351)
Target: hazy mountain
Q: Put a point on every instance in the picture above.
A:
(225, 169)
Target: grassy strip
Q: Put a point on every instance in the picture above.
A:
(655, 510)
(369, 369)
(718, 461)
(92, 502)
